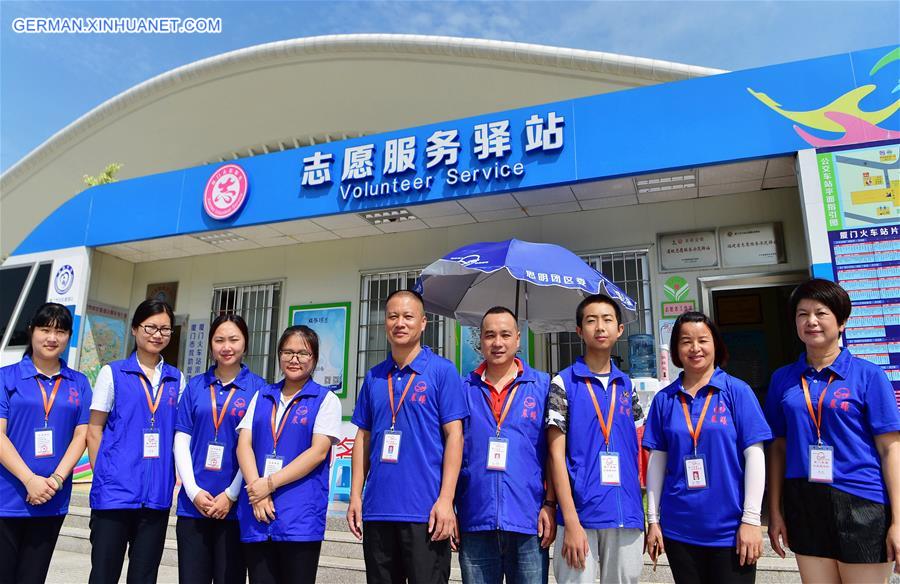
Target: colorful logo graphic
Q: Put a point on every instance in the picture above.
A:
(65, 277)
(844, 114)
(676, 289)
(225, 192)
(530, 402)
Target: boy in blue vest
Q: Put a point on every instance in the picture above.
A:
(593, 450)
(408, 449)
(507, 519)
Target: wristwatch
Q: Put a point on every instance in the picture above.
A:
(549, 503)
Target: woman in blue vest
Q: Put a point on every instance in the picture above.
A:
(43, 421)
(209, 541)
(834, 466)
(283, 449)
(129, 439)
(706, 474)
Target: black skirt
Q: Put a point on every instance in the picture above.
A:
(826, 522)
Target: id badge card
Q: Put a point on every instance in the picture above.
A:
(273, 465)
(498, 449)
(151, 443)
(43, 442)
(215, 451)
(390, 446)
(821, 463)
(609, 469)
(695, 472)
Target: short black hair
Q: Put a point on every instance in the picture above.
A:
(828, 293)
(238, 321)
(500, 310)
(305, 333)
(151, 307)
(406, 292)
(597, 298)
(49, 314)
(721, 357)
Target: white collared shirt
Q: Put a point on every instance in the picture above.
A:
(105, 391)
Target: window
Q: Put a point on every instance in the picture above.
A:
(36, 295)
(259, 305)
(12, 281)
(373, 347)
(630, 271)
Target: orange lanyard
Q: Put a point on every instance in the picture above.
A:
(48, 402)
(402, 397)
(509, 401)
(153, 405)
(695, 433)
(287, 413)
(817, 421)
(216, 418)
(606, 427)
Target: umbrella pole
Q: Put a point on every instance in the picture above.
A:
(517, 300)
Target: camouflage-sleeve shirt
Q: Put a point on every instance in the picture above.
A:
(558, 404)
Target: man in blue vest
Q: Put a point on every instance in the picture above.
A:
(594, 457)
(507, 518)
(408, 449)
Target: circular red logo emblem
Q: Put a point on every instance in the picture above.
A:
(530, 402)
(225, 192)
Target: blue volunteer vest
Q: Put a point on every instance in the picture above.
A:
(601, 506)
(508, 500)
(123, 478)
(301, 506)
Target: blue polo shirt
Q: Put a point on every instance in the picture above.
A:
(123, 478)
(22, 406)
(859, 404)
(195, 417)
(407, 490)
(506, 500)
(734, 421)
(599, 506)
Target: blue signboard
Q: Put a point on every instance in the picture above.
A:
(749, 114)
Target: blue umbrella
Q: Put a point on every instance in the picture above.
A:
(541, 282)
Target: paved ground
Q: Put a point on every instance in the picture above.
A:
(72, 568)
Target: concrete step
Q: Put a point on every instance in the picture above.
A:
(76, 539)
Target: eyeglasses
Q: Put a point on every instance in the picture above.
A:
(152, 329)
(300, 355)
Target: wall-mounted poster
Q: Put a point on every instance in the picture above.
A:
(332, 323)
(165, 291)
(468, 344)
(859, 193)
(105, 338)
(196, 349)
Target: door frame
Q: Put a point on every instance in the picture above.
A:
(712, 284)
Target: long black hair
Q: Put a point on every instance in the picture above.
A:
(49, 314)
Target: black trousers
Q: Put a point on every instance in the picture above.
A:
(26, 547)
(697, 564)
(397, 552)
(209, 551)
(141, 531)
(283, 562)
